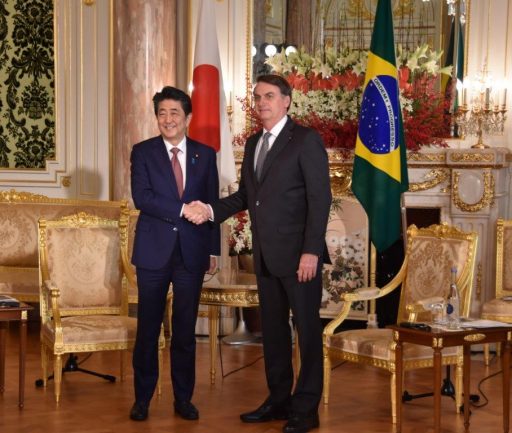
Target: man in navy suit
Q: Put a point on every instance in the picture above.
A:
(285, 185)
(167, 172)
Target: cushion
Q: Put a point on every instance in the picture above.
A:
(498, 308)
(22, 283)
(377, 343)
(94, 329)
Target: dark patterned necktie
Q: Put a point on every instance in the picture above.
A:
(263, 154)
(176, 168)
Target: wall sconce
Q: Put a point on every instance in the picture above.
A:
(482, 107)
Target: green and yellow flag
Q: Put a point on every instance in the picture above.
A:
(379, 174)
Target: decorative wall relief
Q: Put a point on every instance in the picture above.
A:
(27, 84)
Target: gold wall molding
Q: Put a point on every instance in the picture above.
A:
(341, 180)
(472, 157)
(23, 197)
(487, 198)
(426, 157)
(434, 178)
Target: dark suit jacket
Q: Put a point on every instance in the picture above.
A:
(155, 194)
(289, 207)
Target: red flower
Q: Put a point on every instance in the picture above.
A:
(298, 82)
(350, 81)
(403, 78)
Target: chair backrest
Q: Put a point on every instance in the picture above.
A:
(81, 255)
(348, 243)
(503, 256)
(431, 253)
(20, 211)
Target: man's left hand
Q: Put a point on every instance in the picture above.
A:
(213, 265)
(307, 267)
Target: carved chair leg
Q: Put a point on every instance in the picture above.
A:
(498, 350)
(393, 397)
(57, 376)
(327, 375)
(486, 355)
(459, 385)
(160, 370)
(44, 363)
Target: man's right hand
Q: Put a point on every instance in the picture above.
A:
(196, 212)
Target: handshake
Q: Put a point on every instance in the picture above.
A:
(197, 212)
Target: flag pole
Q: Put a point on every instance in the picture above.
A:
(403, 211)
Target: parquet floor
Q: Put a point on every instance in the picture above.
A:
(359, 398)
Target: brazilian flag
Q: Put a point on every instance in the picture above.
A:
(379, 175)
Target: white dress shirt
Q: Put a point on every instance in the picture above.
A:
(278, 127)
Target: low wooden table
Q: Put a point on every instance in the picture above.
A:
(439, 339)
(228, 289)
(11, 314)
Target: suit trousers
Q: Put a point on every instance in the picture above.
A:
(277, 297)
(153, 286)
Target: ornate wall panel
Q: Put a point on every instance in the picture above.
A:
(77, 166)
(27, 97)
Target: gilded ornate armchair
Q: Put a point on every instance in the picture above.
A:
(425, 274)
(83, 292)
(500, 308)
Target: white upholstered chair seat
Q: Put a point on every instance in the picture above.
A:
(378, 344)
(95, 330)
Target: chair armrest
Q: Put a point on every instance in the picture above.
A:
(50, 290)
(363, 294)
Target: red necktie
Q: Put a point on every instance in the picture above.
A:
(176, 168)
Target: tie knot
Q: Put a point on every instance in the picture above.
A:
(267, 136)
(175, 151)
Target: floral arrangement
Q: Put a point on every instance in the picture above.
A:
(348, 262)
(240, 236)
(346, 273)
(328, 87)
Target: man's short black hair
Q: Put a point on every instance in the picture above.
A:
(278, 81)
(175, 94)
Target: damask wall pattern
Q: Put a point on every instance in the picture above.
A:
(27, 84)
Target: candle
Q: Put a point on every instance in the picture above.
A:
(464, 95)
(487, 96)
(504, 100)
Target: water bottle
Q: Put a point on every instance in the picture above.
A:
(453, 302)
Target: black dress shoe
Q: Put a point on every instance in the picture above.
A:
(139, 411)
(301, 424)
(186, 410)
(266, 412)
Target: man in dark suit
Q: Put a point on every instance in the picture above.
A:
(285, 185)
(167, 172)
